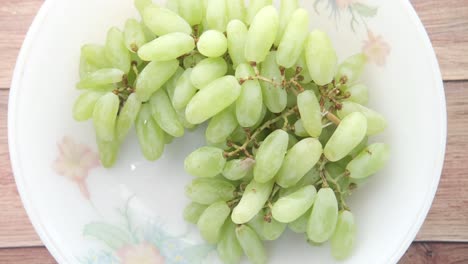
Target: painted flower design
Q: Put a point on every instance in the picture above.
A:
(376, 49)
(343, 4)
(74, 162)
(140, 254)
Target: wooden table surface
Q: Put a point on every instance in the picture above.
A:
(444, 236)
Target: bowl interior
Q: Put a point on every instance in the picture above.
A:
(143, 201)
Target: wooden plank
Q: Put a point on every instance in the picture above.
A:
(447, 25)
(446, 22)
(31, 255)
(15, 18)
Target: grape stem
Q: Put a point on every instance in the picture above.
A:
(338, 189)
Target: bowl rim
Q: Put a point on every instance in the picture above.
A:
(48, 240)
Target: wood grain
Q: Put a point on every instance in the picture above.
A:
(31, 255)
(445, 21)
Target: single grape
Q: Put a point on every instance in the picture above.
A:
(236, 35)
(167, 47)
(153, 77)
(221, 126)
(300, 159)
(216, 15)
(229, 249)
(236, 10)
(321, 57)
(162, 21)
(184, 91)
(192, 60)
(212, 99)
(210, 190)
(299, 129)
(322, 221)
(251, 244)
(351, 68)
(173, 5)
(84, 105)
(105, 116)
(191, 11)
(108, 152)
(254, 8)
(254, 198)
(164, 114)
(362, 145)
(94, 56)
(376, 123)
(369, 161)
(289, 208)
(267, 227)
(127, 116)
(212, 43)
(287, 8)
(359, 94)
(270, 156)
(134, 36)
(193, 211)
(116, 52)
(150, 135)
(274, 96)
(142, 4)
(311, 115)
(342, 241)
(205, 162)
(250, 102)
(346, 137)
(100, 78)
(208, 70)
(237, 169)
(304, 73)
(149, 35)
(172, 83)
(183, 120)
(295, 35)
(261, 34)
(300, 224)
(212, 220)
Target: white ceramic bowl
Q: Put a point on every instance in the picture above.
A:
(87, 214)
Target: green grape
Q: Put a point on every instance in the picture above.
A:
(299, 129)
(275, 97)
(150, 135)
(321, 57)
(251, 244)
(162, 21)
(108, 152)
(322, 220)
(221, 126)
(311, 115)
(239, 135)
(212, 99)
(254, 8)
(149, 35)
(236, 10)
(263, 113)
(164, 114)
(127, 116)
(212, 43)
(287, 8)
(336, 171)
(191, 11)
(216, 15)
(236, 36)
(84, 105)
(212, 220)
(298, 161)
(369, 161)
(168, 139)
(101, 78)
(261, 34)
(342, 241)
(210, 190)
(192, 60)
(291, 207)
(237, 169)
(359, 147)
(95, 55)
(207, 71)
(183, 120)
(346, 137)
(270, 156)
(326, 134)
(295, 35)
(134, 36)
(359, 93)
(351, 68)
(173, 5)
(172, 83)
(302, 63)
(167, 47)
(184, 90)
(254, 198)
(153, 77)
(376, 123)
(105, 116)
(85, 67)
(193, 211)
(205, 162)
(116, 52)
(300, 224)
(267, 229)
(229, 249)
(142, 4)
(250, 102)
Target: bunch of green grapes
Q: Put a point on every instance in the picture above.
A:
(287, 134)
